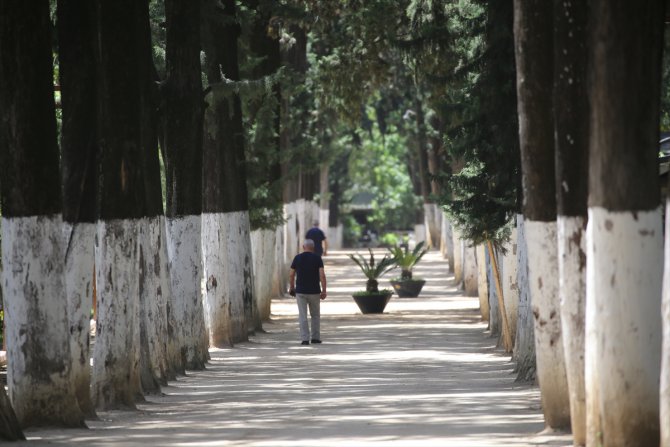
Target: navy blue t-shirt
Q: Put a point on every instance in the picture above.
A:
(307, 265)
(318, 237)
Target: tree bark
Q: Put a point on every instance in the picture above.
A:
(230, 300)
(524, 342)
(430, 219)
(533, 49)
(184, 109)
(571, 135)
(127, 194)
(79, 157)
(507, 340)
(482, 283)
(10, 430)
(624, 234)
(39, 374)
(470, 272)
(458, 256)
(156, 288)
(510, 285)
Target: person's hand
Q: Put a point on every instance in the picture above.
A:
(325, 253)
(323, 295)
(291, 291)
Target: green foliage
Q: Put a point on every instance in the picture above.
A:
(665, 87)
(379, 167)
(406, 259)
(478, 106)
(389, 239)
(351, 40)
(368, 293)
(373, 270)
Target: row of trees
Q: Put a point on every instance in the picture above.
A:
(85, 191)
(590, 220)
(522, 113)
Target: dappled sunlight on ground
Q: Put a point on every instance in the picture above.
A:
(424, 373)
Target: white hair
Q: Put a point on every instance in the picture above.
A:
(308, 243)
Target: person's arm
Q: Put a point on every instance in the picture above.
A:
(322, 278)
(325, 247)
(291, 282)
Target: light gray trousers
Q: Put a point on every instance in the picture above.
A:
(314, 303)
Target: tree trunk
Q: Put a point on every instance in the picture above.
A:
(510, 286)
(39, 359)
(10, 430)
(226, 230)
(458, 256)
(665, 356)
(448, 241)
(496, 278)
(128, 191)
(430, 220)
(495, 317)
(482, 283)
(324, 200)
(155, 287)
(533, 49)
(524, 343)
(183, 169)
(263, 246)
(77, 68)
(624, 234)
(571, 136)
(470, 272)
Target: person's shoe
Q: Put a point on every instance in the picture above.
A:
(316, 341)
(305, 342)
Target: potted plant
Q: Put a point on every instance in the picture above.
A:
(406, 286)
(373, 300)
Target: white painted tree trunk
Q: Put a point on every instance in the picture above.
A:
(39, 361)
(509, 283)
(323, 218)
(482, 282)
(543, 278)
(572, 292)
(116, 380)
(624, 283)
(335, 235)
(432, 224)
(155, 290)
(280, 275)
(304, 221)
(226, 248)
(524, 344)
(419, 233)
(448, 241)
(292, 241)
(470, 272)
(665, 363)
(444, 223)
(495, 319)
(458, 256)
(186, 275)
(262, 247)
(79, 272)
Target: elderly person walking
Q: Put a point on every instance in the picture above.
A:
(309, 268)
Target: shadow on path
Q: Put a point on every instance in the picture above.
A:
(424, 373)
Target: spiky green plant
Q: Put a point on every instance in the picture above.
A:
(406, 259)
(373, 271)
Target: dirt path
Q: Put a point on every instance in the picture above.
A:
(424, 373)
